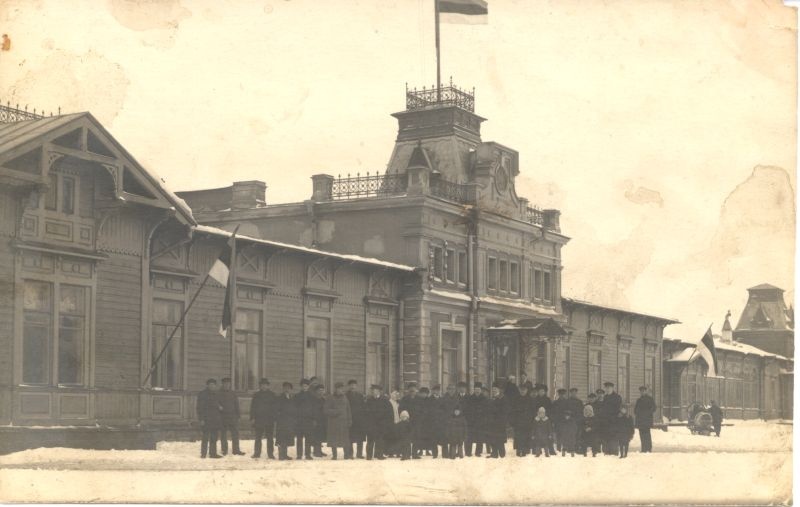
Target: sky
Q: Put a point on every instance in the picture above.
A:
(664, 131)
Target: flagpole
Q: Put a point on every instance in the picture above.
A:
(232, 301)
(701, 339)
(182, 319)
(438, 62)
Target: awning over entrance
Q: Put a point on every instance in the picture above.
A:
(527, 328)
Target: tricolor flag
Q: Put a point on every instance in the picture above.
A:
(471, 12)
(221, 272)
(707, 351)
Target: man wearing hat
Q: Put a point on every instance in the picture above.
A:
(643, 411)
(424, 428)
(557, 409)
(358, 432)
(498, 422)
(263, 415)
(285, 423)
(612, 403)
(521, 414)
(380, 419)
(230, 418)
(209, 412)
(304, 420)
(339, 420)
(470, 405)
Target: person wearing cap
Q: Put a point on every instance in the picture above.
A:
(379, 417)
(521, 416)
(209, 412)
(339, 418)
(304, 420)
(285, 423)
(643, 412)
(319, 420)
(498, 422)
(263, 416)
(358, 432)
(557, 409)
(230, 418)
(612, 403)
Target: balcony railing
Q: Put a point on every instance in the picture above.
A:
(12, 114)
(377, 185)
(443, 96)
(534, 215)
(457, 192)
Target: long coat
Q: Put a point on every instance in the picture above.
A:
(263, 409)
(285, 420)
(575, 406)
(209, 409)
(358, 430)
(424, 430)
(589, 432)
(456, 429)
(476, 413)
(304, 413)
(567, 432)
(643, 410)
(542, 431)
(623, 428)
(229, 402)
(497, 421)
(318, 417)
(379, 417)
(337, 411)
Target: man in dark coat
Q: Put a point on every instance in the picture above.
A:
(448, 403)
(623, 426)
(439, 419)
(318, 434)
(358, 432)
(521, 414)
(380, 418)
(285, 421)
(471, 411)
(339, 420)
(263, 413)
(612, 403)
(575, 404)
(209, 412)
(304, 419)
(716, 416)
(424, 428)
(511, 390)
(557, 409)
(643, 411)
(498, 423)
(230, 418)
(599, 427)
(409, 404)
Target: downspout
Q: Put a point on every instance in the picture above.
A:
(401, 324)
(472, 325)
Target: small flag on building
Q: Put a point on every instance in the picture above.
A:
(221, 272)
(707, 351)
(470, 12)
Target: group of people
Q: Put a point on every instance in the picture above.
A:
(423, 422)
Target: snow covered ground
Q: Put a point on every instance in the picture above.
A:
(751, 463)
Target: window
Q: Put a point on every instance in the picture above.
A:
(595, 370)
(51, 197)
(547, 286)
(247, 350)
(624, 380)
(437, 263)
(537, 284)
(462, 268)
(317, 335)
(37, 332)
(650, 372)
(502, 275)
(491, 273)
(61, 193)
(378, 355)
(166, 315)
(68, 195)
(539, 363)
(39, 344)
(450, 268)
(514, 277)
(451, 346)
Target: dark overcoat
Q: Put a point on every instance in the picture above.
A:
(209, 409)
(304, 413)
(230, 405)
(542, 431)
(623, 428)
(497, 421)
(379, 417)
(285, 420)
(337, 412)
(263, 408)
(643, 410)
(358, 431)
(425, 432)
(567, 432)
(456, 429)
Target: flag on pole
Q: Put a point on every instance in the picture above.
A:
(470, 12)
(221, 272)
(707, 351)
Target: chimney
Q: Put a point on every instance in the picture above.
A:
(552, 220)
(727, 330)
(248, 194)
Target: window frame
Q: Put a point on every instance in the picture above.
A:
(247, 342)
(491, 273)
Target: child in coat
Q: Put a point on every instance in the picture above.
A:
(403, 435)
(624, 426)
(456, 433)
(542, 433)
(589, 436)
(568, 434)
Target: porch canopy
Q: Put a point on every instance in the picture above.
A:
(527, 328)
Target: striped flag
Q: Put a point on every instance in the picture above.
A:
(221, 272)
(470, 12)
(707, 351)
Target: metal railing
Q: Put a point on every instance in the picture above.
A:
(442, 96)
(377, 185)
(457, 192)
(534, 215)
(13, 114)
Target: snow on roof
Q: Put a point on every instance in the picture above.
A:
(520, 303)
(348, 257)
(569, 300)
(451, 294)
(742, 348)
(682, 356)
